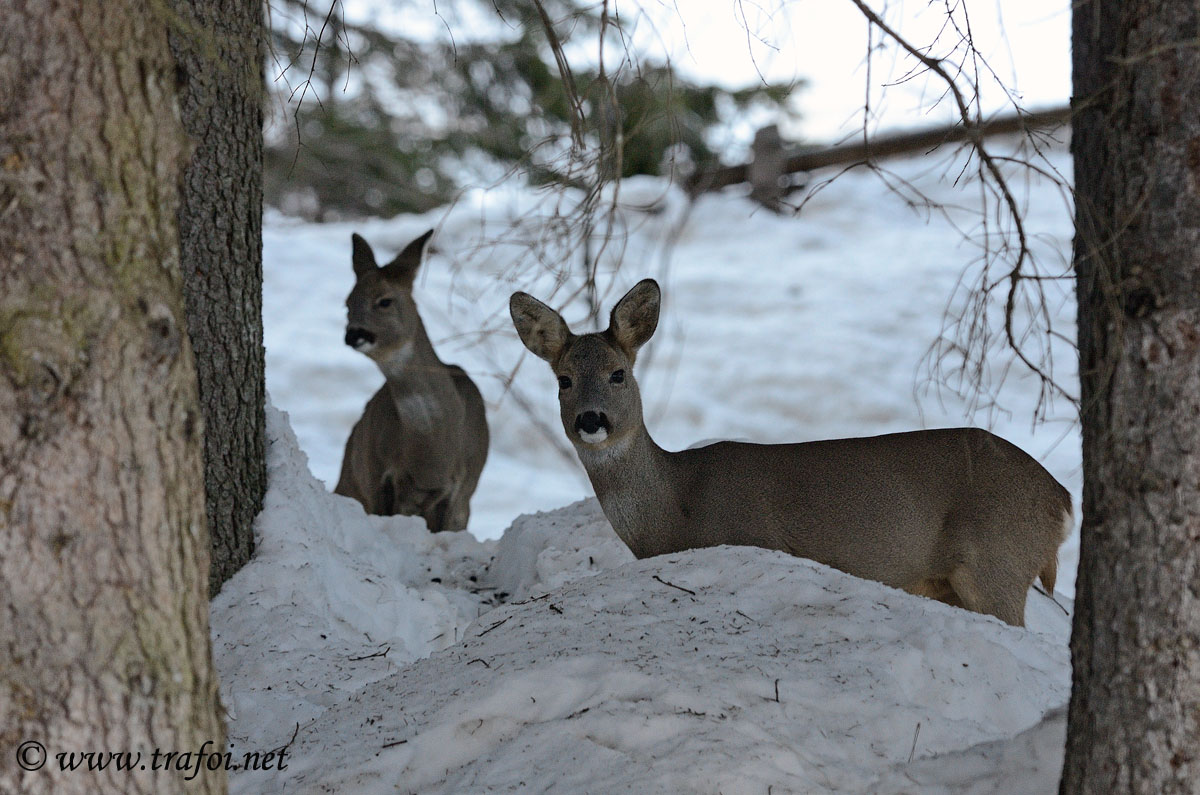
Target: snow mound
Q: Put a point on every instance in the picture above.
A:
(1029, 763)
(373, 650)
(719, 670)
(547, 550)
(293, 632)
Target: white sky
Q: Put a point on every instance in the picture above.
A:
(1026, 43)
(738, 42)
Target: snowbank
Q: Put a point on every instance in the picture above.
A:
(329, 586)
(722, 670)
(1029, 763)
(375, 645)
(543, 551)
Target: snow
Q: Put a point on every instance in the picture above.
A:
(327, 584)
(546, 550)
(1031, 762)
(625, 682)
(373, 650)
(534, 652)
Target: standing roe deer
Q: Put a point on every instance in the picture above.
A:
(956, 514)
(421, 442)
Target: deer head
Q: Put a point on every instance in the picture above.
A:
(598, 396)
(381, 314)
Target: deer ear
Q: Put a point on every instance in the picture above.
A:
(363, 257)
(635, 317)
(404, 267)
(543, 330)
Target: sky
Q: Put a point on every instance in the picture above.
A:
(1024, 44)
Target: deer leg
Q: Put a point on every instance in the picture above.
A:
(460, 513)
(999, 594)
(438, 515)
(385, 498)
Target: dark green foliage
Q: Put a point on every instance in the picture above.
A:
(380, 125)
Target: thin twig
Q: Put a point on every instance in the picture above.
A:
(578, 120)
(493, 626)
(1050, 596)
(673, 585)
(370, 656)
(913, 750)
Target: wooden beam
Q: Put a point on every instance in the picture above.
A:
(884, 146)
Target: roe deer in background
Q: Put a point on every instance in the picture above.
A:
(957, 514)
(422, 439)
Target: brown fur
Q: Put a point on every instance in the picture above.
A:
(422, 441)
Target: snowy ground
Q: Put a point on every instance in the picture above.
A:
(371, 649)
(390, 660)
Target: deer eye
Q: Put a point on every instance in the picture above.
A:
(383, 303)
(564, 382)
(617, 377)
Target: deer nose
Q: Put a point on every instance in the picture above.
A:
(591, 422)
(359, 337)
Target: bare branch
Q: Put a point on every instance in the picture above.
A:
(1013, 244)
(578, 120)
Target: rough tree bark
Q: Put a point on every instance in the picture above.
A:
(104, 642)
(217, 46)
(1134, 722)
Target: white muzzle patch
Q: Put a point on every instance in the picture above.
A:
(362, 346)
(594, 438)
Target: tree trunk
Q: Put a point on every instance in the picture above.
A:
(217, 46)
(104, 642)
(1134, 721)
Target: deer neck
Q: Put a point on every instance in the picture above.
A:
(419, 383)
(633, 481)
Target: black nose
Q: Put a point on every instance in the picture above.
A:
(355, 335)
(590, 422)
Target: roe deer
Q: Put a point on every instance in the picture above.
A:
(421, 442)
(957, 514)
